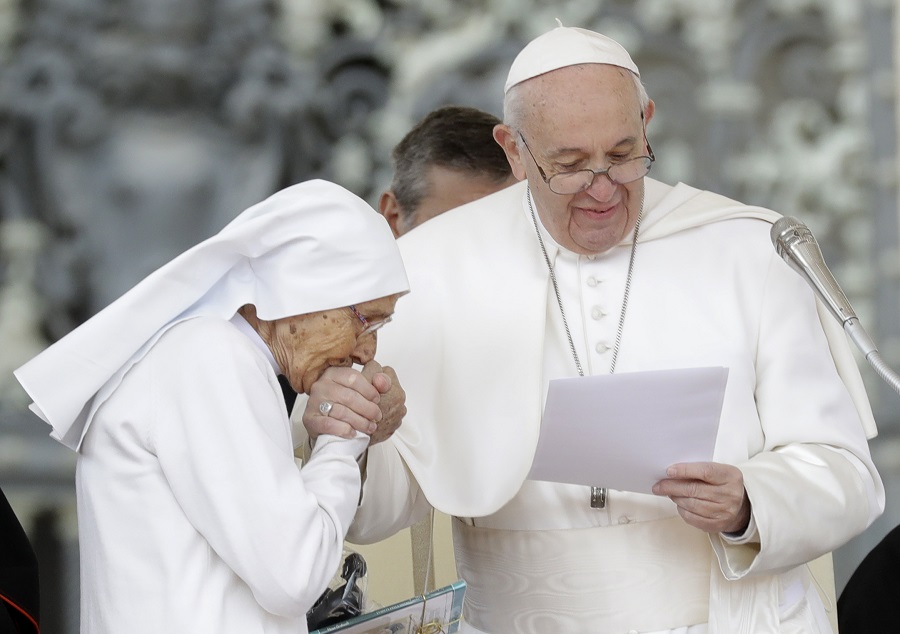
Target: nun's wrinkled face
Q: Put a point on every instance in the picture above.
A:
(306, 345)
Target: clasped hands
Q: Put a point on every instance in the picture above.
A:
(370, 401)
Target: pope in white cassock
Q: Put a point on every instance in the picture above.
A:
(588, 266)
(192, 514)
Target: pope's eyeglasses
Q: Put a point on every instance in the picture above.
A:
(579, 180)
(368, 326)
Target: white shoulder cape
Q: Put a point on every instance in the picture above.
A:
(478, 270)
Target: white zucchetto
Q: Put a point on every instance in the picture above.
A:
(566, 46)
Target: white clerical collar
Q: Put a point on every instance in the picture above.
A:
(244, 326)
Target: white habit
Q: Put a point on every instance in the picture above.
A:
(193, 515)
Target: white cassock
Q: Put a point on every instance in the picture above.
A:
(475, 345)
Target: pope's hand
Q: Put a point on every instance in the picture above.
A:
(354, 402)
(392, 403)
(709, 495)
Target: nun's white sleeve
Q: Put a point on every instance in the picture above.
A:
(391, 499)
(223, 441)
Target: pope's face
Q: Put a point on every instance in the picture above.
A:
(306, 345)
(581, 117)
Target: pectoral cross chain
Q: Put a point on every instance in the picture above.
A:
(598, 497)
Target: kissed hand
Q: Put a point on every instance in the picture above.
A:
(392, 402)
(370, 401)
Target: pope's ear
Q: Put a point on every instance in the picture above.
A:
(506, 137)
(649, 111)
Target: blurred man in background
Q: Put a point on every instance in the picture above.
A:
(446, 160)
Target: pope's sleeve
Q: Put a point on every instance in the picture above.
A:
(814, 485)
(391, 500)
(222, 438)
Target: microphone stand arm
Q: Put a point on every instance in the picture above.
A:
(862, 340)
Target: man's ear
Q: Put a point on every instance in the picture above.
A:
(506, 138)
(391, 210)
(649, 111)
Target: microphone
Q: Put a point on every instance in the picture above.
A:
(796, 244)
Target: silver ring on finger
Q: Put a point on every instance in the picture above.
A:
(325, 407)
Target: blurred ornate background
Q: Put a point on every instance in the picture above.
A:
(132, 129)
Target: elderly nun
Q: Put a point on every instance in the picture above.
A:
(193, 515)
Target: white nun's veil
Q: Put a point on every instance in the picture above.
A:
(310, 247)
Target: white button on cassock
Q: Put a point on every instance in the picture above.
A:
(592, 281)
(597, 312)
(601, 348)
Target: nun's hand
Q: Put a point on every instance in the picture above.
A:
(342, 402)
(392, 403)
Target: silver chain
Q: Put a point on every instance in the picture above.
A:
(555, 285)
(598, 494)
(562, 312)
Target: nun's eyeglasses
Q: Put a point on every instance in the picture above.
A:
(368, 326)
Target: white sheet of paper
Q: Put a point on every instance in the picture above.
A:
(622, 431)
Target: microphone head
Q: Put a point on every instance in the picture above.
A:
(797, 246)
(788, 232)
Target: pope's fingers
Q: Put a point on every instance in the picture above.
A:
(382, 382)
(392, 404)
(700, 490)
(382, 379)
(386, 428)
(709, 517)
(675, 488)
(371, 368)
(712, 508)
(390, 373)
(711, 472)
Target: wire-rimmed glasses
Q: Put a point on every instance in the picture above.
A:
(566, 183)
(368, 326)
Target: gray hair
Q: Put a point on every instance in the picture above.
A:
(454, 137)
